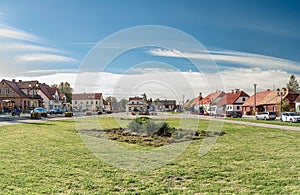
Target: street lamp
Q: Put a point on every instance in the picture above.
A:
(255, 85)
(280, 93)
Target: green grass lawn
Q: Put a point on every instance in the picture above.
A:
(50, 158)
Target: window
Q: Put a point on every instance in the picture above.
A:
(92, 102)
(75, 102)
(0, 91)
(87, 102)
(96, 102)
(6, 91)
(238, 107)
(244, 99)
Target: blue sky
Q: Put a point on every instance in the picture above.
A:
(53, 37)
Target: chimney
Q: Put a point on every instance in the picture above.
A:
(232, 91)
(237, 90)
(14, 80)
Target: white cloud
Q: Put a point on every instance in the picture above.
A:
(42, 57)
(172, 85)
(235, 57)
(11, 33)
(25, 47)
(21, 51)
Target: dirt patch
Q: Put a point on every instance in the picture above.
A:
(128, 136)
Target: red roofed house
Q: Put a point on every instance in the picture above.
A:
(137, 104)
(232, 101)
(194, 104)
(51, 96)
(22, 94)
(29, 94)
(270, 100)
(87, 102)
(209, 102)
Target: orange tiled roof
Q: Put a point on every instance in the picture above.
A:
(212, 97)
(259, 97)
(231, 98)
(269, 97)
(87, 96)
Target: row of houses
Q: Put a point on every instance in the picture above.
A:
(239, 101)
(28, 94)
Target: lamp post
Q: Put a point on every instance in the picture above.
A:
(255, 98)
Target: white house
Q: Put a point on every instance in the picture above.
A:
(233, 101)
(87, 102)
(50, 96)
(136, 104)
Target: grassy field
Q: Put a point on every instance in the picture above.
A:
(50, 158)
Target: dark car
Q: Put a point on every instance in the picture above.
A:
(55, 111)
(234, 114)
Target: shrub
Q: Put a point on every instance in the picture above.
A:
(68, 114)
(35, 115)
(146, 125)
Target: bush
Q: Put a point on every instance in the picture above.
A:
(68, 114)
(146, 125)
(88, 113)
(35, 115)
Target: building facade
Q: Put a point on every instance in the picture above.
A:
(136, 104)
(87, 102)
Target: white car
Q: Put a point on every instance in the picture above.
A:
(290, 117)
(266, 116)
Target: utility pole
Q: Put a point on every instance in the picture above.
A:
(182, 102)
(255, 97)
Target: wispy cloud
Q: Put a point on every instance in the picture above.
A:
(83, 43)
(11, 33)
(41, 57)
(27, 47)
(2, 16)
(21, 51)
(233, 57)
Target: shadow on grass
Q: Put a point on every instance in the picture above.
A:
(37, 123)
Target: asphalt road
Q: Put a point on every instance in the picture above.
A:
(25, 119)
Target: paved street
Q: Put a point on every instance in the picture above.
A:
(25, 118)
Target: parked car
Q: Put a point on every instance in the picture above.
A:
(290, 117)
(266, 116)
(234, 114)
(55, 111)
(42, 111)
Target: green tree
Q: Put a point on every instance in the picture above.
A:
(122, 104)
(65, 87)
(113, 103)
(285, 105)
(293, 84)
